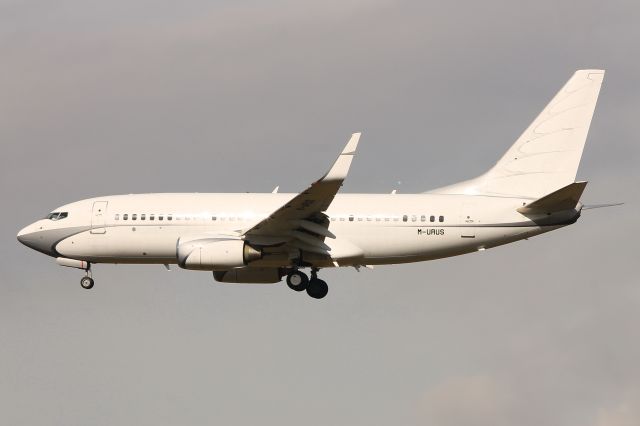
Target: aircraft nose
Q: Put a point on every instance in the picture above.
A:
(22, 235)
(36, 238)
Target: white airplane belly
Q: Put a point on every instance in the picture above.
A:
(398, 244)
(401, 241)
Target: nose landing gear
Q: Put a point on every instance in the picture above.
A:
(298, 281)
(87, 281)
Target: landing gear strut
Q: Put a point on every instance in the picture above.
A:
(87, 281)
(298, 281)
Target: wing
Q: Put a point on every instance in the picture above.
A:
(302, 218)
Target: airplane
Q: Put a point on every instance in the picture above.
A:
(263, 237)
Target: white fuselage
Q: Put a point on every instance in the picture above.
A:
(260, 238)
(369, 228)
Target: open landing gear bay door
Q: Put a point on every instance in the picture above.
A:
(98, 217)
(301, 222)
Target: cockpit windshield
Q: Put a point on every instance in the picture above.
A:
(57, 215)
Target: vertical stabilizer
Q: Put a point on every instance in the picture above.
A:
(546, 156)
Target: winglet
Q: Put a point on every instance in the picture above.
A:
(340, 168)
(351, 146)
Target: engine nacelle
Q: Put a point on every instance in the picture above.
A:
(249, 275)
(212, 254)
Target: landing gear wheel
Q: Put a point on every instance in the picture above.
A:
(86, 282)
(317, 288)
(297, 281)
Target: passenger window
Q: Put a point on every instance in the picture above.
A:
(117, 216)
(423, 218)
(350, 218)
(160, 217)
(213, 218)
(441, 219)
(142, 216)
(432, 218)
(134, 216)
(151, 217)
(414, 218)
(125, 216)
(405, 218)
(169, 217)
(359, 219)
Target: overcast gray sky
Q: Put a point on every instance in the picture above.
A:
(148, 96)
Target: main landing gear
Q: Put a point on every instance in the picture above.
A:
(87, 281)
(298, 281)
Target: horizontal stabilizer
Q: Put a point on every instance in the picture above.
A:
(565, 198)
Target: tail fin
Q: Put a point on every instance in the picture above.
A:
(546, 156)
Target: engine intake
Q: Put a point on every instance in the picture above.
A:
(212, 254)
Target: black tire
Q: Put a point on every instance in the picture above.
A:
(317, 288)
(297, 281)
(86, 283)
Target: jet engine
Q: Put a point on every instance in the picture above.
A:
(215, 254)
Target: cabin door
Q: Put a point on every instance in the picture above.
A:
(99, 217)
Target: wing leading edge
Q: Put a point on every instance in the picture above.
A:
(302, 220)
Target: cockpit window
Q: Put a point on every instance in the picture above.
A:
(57, 215)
